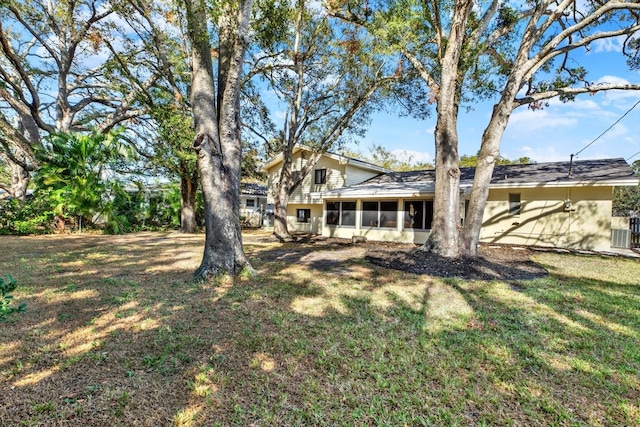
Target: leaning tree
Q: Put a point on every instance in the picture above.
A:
(543, 40)
(328, 76)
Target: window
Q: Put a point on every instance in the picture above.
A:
(348, 213)
(514, 204)
(303, 215)
(333, 213)
(380, 214)
(341, 213)
(320, 176)
(251, 203)
(418, 214)
(389, 214)
(369, 214)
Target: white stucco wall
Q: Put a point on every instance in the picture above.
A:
(544, 221)
(313, 226)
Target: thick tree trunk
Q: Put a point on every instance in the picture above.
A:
(489, 151)
(217, 142)
(444, 238)
(20, 178)
(23, 156)
(280, 227)
(445, 230)
(188, 191)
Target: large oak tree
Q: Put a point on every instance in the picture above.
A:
(57, 62)
(216, 113)
(519, 54)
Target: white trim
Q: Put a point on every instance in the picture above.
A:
(344, 160)
(612, 183)
(427, 188)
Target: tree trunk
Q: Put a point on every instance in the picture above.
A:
(281, 197)
(489, 151)
(20, 178)
(280, 227)
(61, 224)
(444, 238)
(188, 191)
(217, 141)
(23, 157)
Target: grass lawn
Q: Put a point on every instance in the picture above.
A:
(115, 333)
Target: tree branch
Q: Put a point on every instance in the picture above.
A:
(424, 73)
(571, 91)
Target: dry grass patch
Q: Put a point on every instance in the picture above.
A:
(117, 334)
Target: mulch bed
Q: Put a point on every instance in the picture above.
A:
(493, 263)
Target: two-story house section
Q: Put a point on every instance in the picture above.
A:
(332, 171)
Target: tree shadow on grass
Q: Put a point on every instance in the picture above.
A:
(560, 344)
(307, 345)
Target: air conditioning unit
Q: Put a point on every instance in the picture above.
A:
(620, 238)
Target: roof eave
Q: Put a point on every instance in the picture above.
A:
(351, 161)
(563, 184)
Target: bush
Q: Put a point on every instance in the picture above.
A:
(6, 298)
(28, 217)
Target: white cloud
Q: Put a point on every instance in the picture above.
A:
(614, 44)
(541, 154)
(579, 104)
(611, 79)
(618, 132)
(529, 120)
(613, 96)
(412, 156)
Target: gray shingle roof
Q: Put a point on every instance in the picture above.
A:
(584, 172)
(252, 189)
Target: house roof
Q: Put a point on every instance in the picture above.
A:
(604, 172)
(252, 189)
(339, 157)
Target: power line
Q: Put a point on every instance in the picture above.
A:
(608, 129)
(633, 156)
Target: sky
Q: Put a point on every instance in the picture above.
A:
(547, 135)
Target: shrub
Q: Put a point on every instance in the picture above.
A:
(29, 217)
(6, 298)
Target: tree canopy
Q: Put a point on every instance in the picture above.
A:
(513, 54)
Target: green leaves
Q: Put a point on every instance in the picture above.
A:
(7, 286)
(74, 176)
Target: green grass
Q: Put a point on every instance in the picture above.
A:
(123, 335)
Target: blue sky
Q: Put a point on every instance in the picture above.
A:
(551, 134)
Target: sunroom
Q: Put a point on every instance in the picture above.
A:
(406, 220)
(380, 212)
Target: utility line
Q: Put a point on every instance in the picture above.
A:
(608, 129)
(633, 156)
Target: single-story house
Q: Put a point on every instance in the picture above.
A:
(253, 197)
(558, 204)
(254, 209)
